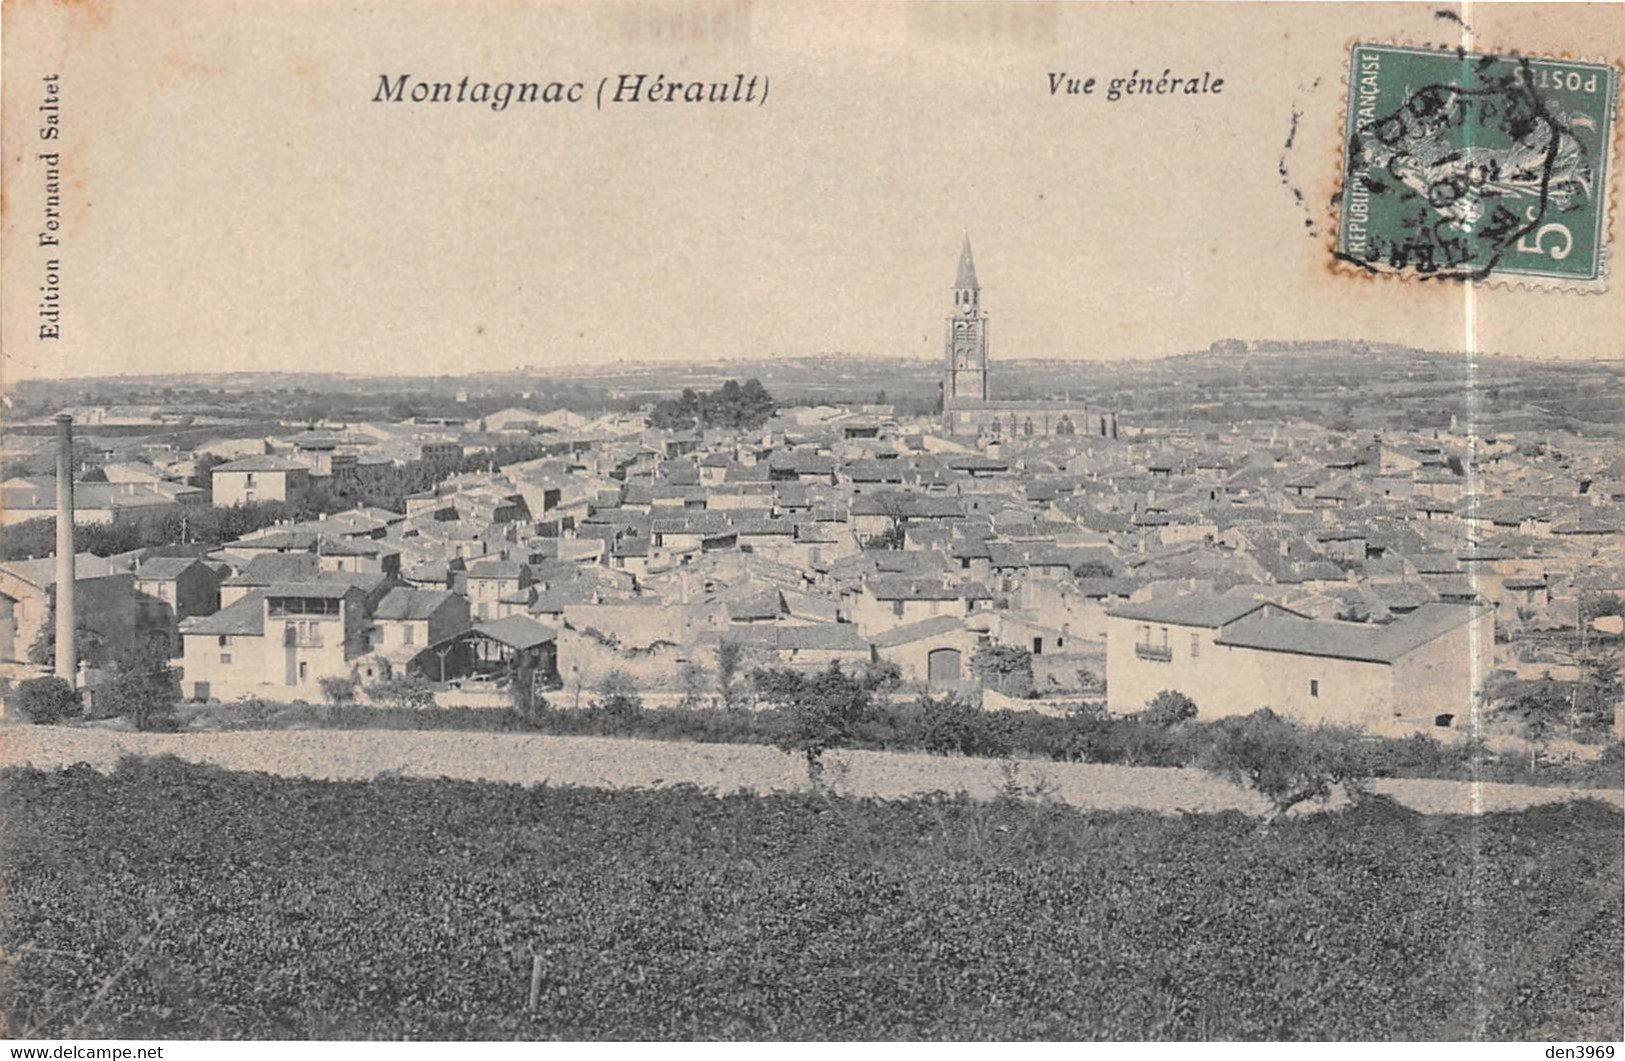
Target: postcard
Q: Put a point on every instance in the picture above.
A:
(865, 521)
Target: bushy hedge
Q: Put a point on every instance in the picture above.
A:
(210, 904)
(944, 726)
(46, 701)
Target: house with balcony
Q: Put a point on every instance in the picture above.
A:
(1233, 655)
(251, 479)
(278, 641)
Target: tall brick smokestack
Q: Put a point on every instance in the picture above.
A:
(66, 663)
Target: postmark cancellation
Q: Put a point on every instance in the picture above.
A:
(1477, 167)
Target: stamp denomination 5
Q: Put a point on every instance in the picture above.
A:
(1472, 167)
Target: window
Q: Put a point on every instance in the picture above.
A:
(224, 640)
(1314, 687)
(409, 634)
(1196, 645)
(1038, 646)
(225, 657)
(295, 607)
(304, 671)
(897, 607)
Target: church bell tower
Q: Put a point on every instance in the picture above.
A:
(965, 379)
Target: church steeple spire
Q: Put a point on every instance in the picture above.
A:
(966, 342)
(967, 269)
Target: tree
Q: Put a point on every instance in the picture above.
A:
(1354, 612)
(1169, 708)
(1006, 668)
(143, 688)
(693, 680)
(46, 701)
(1539, 707)
(619, 703)
(203, 471)
(1284, 762)
(730, 656)
(89, 646)
(1594, 606)
(823, 711)
(525, 694)
(895, 507)
(953, 725)
(1092, 569)
(339, 690)
(739, 407)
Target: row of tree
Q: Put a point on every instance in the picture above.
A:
(739, 406)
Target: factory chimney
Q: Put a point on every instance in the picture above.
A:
(66, 662)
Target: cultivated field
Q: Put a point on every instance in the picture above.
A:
(173, 900)
(614, 762)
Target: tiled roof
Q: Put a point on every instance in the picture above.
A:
(516, 631)
(241, 618)
(816, 637)
(42, 572)
(496, 569)
(902, 635)
(261, 464)
(1365, 642)
(164, 567)
(276, 567)
(412, 604)
(906, 589)
(1205, 611)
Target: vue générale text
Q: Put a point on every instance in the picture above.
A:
(615, 89)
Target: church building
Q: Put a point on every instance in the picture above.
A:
(968, 405)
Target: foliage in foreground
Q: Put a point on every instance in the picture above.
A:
(823, 710)
(1286, 763)
(226, 905)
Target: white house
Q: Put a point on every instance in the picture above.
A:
(1232, 656)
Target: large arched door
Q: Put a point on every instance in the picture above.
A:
(942, 665)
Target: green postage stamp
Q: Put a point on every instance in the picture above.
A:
(1477, 167)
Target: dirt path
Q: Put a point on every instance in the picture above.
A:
(625, 763)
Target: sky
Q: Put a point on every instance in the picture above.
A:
(234, 199)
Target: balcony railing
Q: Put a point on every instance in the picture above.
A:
(1160, 653)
